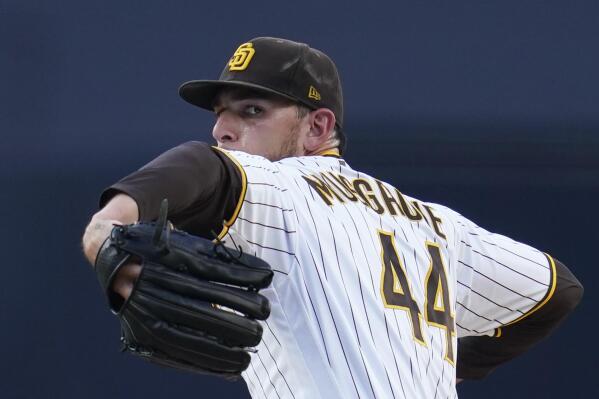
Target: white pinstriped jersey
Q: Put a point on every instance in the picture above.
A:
(371, 287)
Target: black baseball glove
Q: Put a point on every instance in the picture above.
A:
(194, 305)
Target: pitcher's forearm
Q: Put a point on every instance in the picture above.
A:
(95, 234)
(121, 209)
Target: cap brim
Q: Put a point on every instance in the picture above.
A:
(202, 93)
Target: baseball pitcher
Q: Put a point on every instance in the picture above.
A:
(267, 256)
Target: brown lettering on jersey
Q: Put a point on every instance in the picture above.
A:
(323, 189)
(393, 207)
(361, 196)
(344, 189)
(416, 206)
(333, 187)
(346, 183)
(410, 212)
(436, 221)
(364, 190)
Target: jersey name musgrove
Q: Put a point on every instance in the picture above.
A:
(333, 187)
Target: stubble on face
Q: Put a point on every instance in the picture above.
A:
(289, 146)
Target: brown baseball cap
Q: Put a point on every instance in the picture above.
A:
(283, 67)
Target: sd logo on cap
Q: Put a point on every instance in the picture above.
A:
(242, 57)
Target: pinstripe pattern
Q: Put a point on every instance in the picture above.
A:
(329, 334)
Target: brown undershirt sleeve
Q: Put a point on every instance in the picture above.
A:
(202, 185)
(479, 356)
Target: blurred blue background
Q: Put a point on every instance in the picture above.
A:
(488, 107)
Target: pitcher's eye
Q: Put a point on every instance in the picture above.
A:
(253, 110)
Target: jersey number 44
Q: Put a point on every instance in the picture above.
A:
(396, 292)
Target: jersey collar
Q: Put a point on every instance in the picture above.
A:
(330, 153)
